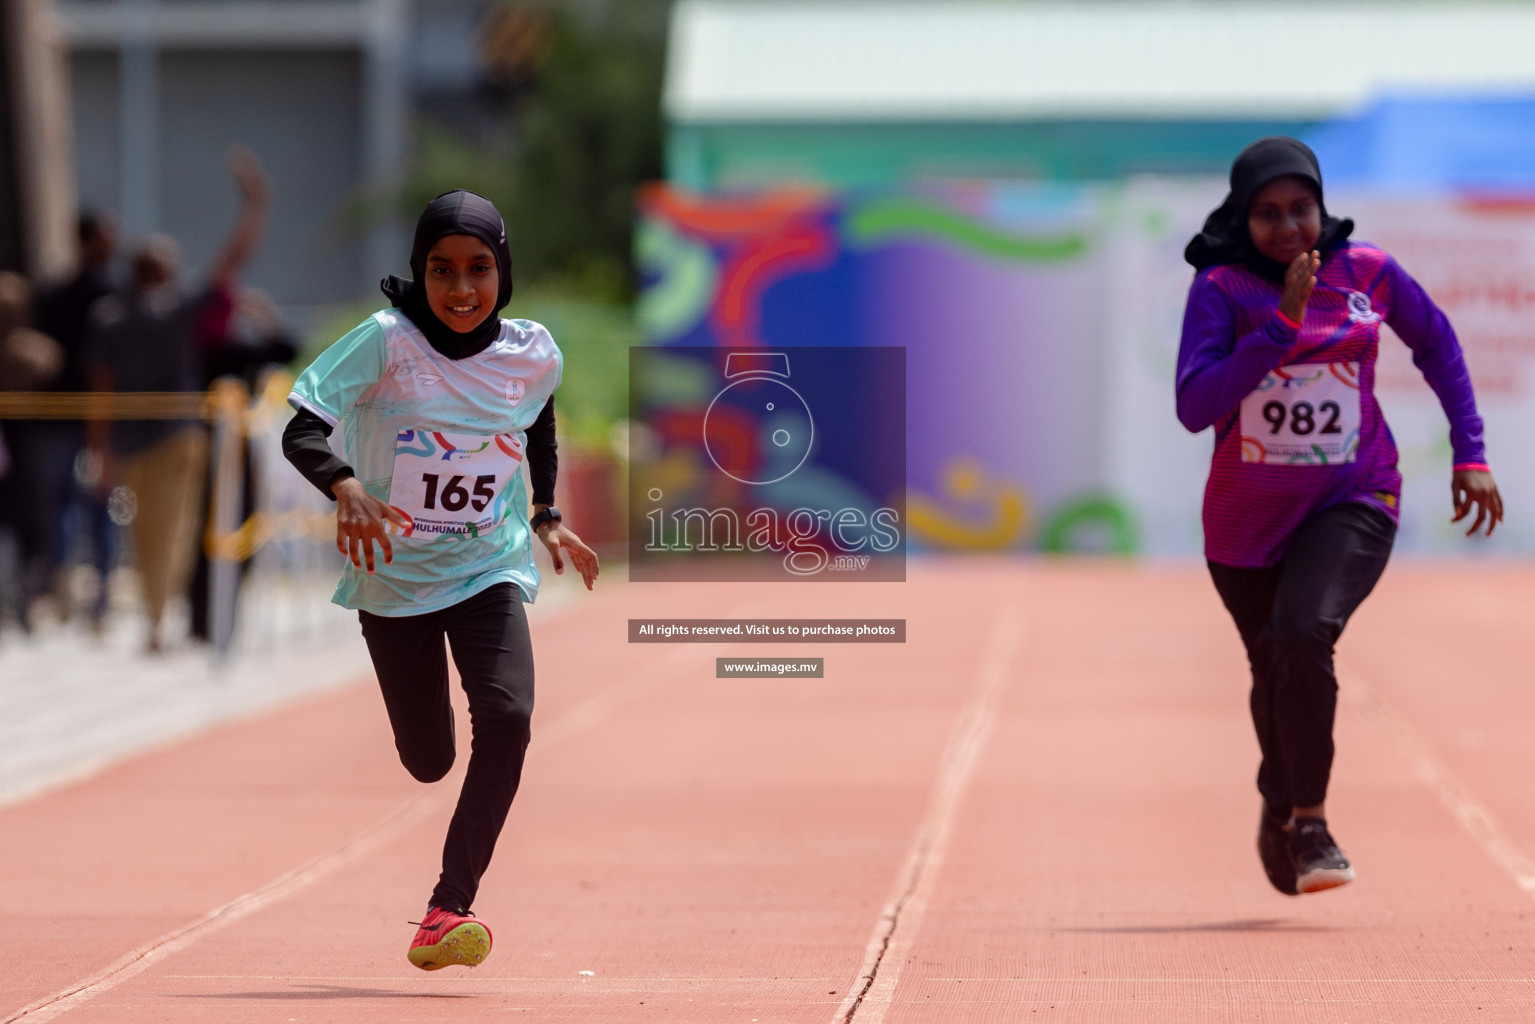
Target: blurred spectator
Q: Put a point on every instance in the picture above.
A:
(256, 343)
(29, 360)
(149, 338)
(66, 500)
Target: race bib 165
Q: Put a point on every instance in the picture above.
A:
(452, 484)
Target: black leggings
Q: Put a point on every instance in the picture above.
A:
(489, 637)
(1290, 615)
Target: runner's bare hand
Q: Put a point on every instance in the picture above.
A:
(556, 535)
(360, 519)
(1298, 282)
(1475, 488)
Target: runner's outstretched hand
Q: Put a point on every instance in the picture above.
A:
(556, 535)
(1475, 487)
(1298, 282)
(360, 521)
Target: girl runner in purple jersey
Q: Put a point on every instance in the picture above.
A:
(1280, 337)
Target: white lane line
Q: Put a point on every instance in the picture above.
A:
(895, 932)
(482, 980)
(578, 719)
(1475, 818)
(141, 959)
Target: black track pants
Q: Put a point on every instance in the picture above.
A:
(1290, 615)
(488, 634)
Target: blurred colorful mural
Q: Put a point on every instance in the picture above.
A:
(991, 291)
(1041, 327)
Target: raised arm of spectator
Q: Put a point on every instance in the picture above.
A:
(255, 194)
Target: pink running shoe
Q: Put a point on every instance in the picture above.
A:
(449, 937)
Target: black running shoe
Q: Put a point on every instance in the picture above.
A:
(1274, 851)
(1319, 864)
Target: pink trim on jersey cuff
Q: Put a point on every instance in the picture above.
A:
(1286, 320)
(1482, 466)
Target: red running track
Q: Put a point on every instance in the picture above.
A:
(1039, 808)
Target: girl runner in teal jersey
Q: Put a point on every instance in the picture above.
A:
(441, 402)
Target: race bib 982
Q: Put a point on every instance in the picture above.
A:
(1303, 415)
(452, 483)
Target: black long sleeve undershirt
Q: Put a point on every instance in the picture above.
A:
(305, 445)
(543, 455)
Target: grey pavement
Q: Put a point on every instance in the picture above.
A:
(72, 702)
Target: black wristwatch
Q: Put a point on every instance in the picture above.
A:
(542, 516)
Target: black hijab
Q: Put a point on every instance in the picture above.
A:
(1225, 238)
(459, 212)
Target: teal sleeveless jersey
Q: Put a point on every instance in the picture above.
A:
(442, 441)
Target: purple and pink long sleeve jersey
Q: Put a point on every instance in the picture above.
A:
(1234, 336)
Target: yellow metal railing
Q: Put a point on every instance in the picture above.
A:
(237, 415)
(233, 412)
(106, 405)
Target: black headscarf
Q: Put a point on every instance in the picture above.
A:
(459, 212)
(1225, 238)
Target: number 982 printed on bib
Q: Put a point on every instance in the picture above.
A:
(452, 484)
(1303, 415)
